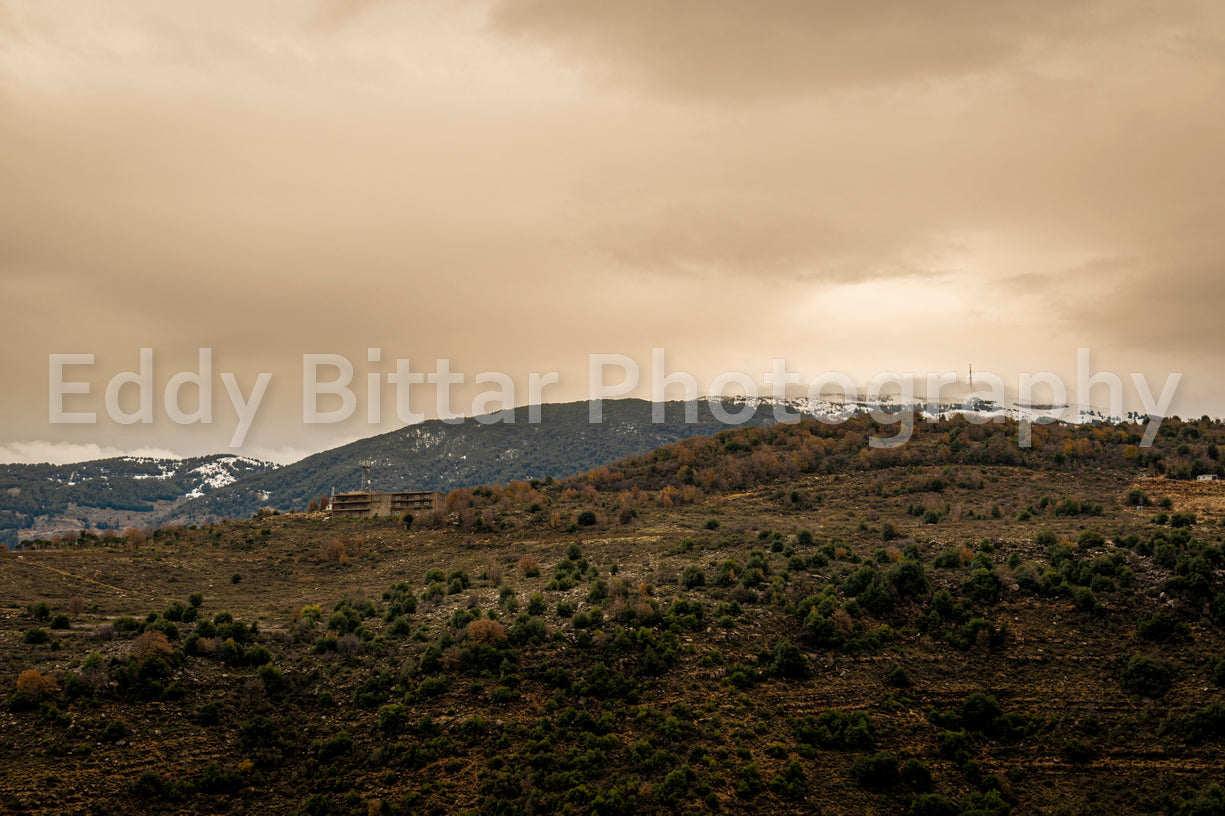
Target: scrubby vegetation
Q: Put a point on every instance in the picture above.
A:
(795, 623)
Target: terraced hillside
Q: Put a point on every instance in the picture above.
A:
(849, 636)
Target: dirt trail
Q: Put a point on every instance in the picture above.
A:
(123, 592)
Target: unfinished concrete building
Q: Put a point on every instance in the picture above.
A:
(366, 503)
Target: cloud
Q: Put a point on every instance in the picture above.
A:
(728, 49)
(64, 453)
(515, 184)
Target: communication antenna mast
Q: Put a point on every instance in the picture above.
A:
(365, 466)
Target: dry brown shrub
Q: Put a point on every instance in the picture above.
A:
(35, 685)
(843, 622)
(528, 565)
(335, 551)
(150, 644)
(493, 570)
(485, 630)
(76, 605)
(616, 609)
(459, 499)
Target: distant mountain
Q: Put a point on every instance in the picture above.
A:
(41, 500)
(438, 455)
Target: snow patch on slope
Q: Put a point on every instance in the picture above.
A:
(219, 473)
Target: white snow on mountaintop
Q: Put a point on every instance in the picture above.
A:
(973, 407)
(219, 473)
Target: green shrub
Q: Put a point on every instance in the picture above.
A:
(1183, 520)
(1206, 724)
(990, 803)
(879, 770)
(692, 577)
(741, 677)
(115, 730)
(61, 621)
(216, 780)
(1076, 752)
(789, 661)
(151, 785)
(909, 578)
(1085, 600)
(209, 714)
(979, 711)
(271, 677)
(1146, 677)
(983, 586)
(1207, 802)
(1216, 670)
(836, 730)
(35, 635)
(1162, 626)
(932, 804)
(1090, 538)
(791, 782)
(528, 629)
(338, 745)
(915, 775)
(433, 685)
(392, 717)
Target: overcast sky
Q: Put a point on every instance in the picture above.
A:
(516, 185)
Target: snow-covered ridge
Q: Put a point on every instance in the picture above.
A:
(971, 407)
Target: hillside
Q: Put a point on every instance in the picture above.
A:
(438, 455)
(769, 619)
(43, 500)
